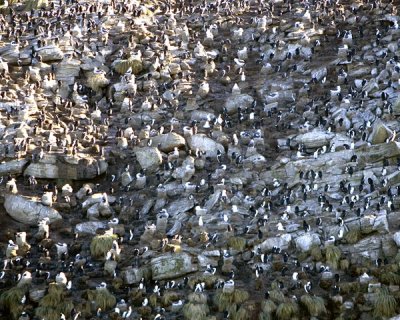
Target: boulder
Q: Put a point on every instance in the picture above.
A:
(53, 166)
(314, 139)
(280, 242)
(68, 70)
(149, 158)
(171, 266)
(50, 53)
(180, 205)
(28, 211)
(380, 133)
(89, 227)
(168, 141)
(13, 167)
(132, 275)
(396, 238)
(204, 143)
(306, 241)
(243, 101)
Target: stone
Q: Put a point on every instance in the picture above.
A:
(233, 102)
(132, 275)
(168, 141)
(204, 143)
(396, 238)
(171, 266)
(50, 53)
(314, 139)
(89, 227)
(306, 241)
(126, 179)
(13, 166)
(68, 70)
(149, 158)
(179, 206)
(65, 167)
(28, 211)
(282, 242)
(380, 133)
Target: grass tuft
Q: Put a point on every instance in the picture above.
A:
(314, 305)
(332, 256)
(287, 310)
(385, 304)
(100, 245)
(353, 236)
(237, 243)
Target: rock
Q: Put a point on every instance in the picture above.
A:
(179, 206)
(168, 141)
(172, 266)
(64, 167)
(132, 275)
(243, 101)
(126, 179)
(204, 143)
(314, 139)
(396, 238)
(149, 158)
(68, 70)
(379, 133)
(97, 198)
(13, 166)
(28, 211)
(280, 242)
(50, 53)
(89, 227)
(306, 241)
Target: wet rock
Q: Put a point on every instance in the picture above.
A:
(28, 211)
(64, 167)
(172, 266)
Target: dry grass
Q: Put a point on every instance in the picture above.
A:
(168, 298)
(54, 303)
(97, 81)
(268, 306)
(389, 278)
(276, 296)
(197, 297)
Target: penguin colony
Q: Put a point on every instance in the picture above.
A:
(199, 159)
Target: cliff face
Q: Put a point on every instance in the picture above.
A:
(241, 156)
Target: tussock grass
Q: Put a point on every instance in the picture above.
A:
(332, 256)
(122, 66)
(268, 306)
(314, 305)
(195, 311)
(223, 300)
(287, 310)
(97, 81)
(197, 297)
(353, 236)
(316, 253)
(385, 304)
(237, 243)
(102, 298)
(389, 278)
(276, 296)
(100, 245)
(54, 303)
(10, 301)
